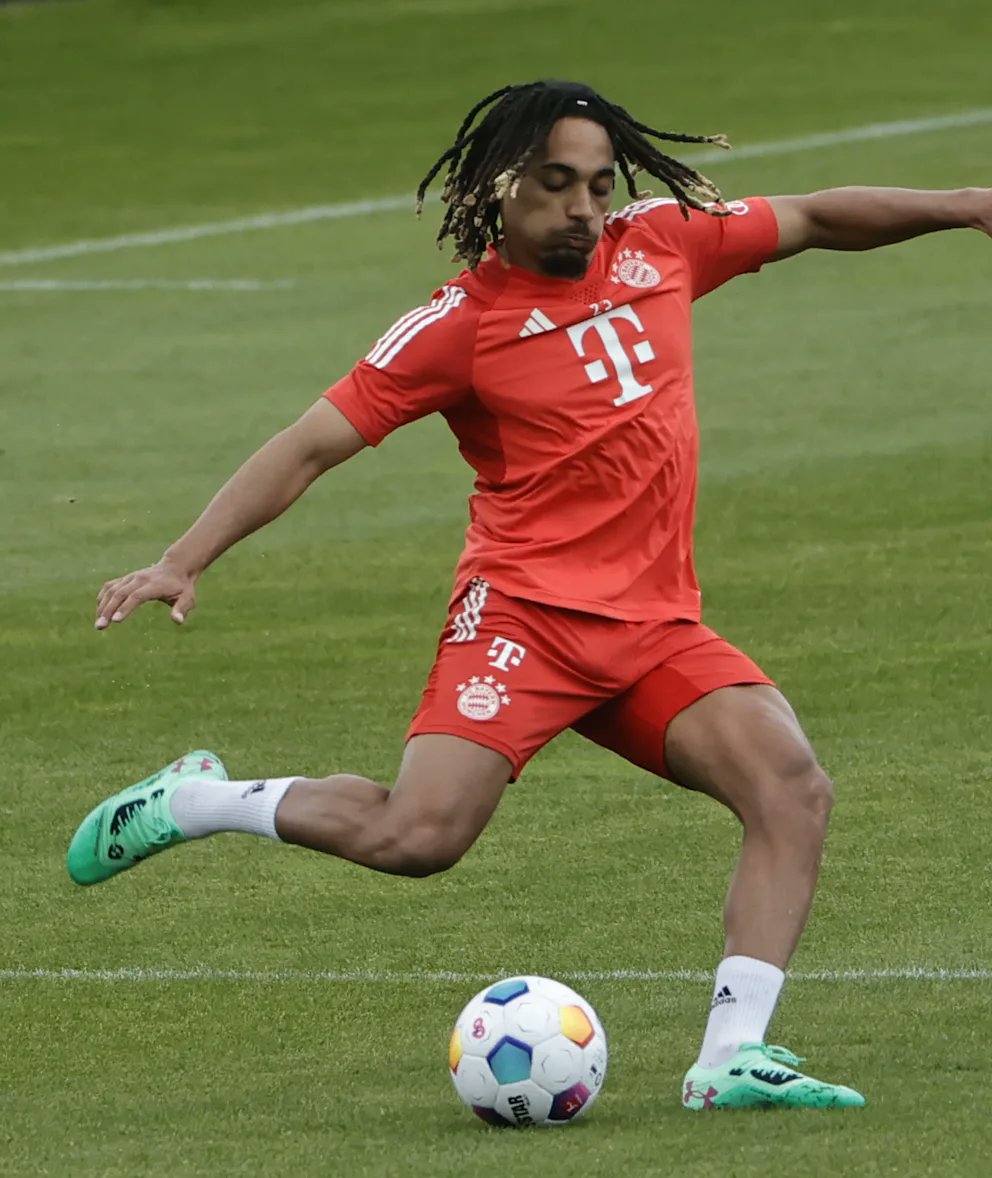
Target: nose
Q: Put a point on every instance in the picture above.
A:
(579, 205)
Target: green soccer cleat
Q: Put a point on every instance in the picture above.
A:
(756, 1078)
(135, 823)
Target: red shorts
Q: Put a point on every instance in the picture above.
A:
(512, 674)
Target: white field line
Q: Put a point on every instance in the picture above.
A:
(206, 974)
(102, 245)
(360, 208)
(56, 284)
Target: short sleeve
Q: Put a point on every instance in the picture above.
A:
(719, 248)
(422, 364)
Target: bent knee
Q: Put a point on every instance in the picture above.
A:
(818, 792)
(799, 791)
(418, 852)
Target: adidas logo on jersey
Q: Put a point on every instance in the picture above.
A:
(537, 322)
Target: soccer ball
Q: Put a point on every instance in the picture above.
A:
(528, 1051)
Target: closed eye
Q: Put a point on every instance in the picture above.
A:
(556, 177)
(601, 191)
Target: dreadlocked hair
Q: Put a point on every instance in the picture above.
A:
(486, 162)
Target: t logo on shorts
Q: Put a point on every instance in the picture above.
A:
(504, 654)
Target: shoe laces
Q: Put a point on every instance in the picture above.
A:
(779, 1054)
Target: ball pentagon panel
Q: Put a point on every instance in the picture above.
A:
(475, 1082)
(510, 1061)
(557, 1064)
(532, 1018)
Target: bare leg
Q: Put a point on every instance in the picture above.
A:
(744, 747)
(445, 794)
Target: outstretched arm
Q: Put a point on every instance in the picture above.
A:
(863, 218)
(272, 479)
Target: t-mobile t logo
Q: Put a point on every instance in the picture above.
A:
(623, 368)
(504, 654)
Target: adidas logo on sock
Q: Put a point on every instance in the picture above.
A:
(722, 997)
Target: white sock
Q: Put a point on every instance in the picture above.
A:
(744, 997)
(203, 805)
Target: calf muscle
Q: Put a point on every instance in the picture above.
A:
(445, 794)
(744, 747)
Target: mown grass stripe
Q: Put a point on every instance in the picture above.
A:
(208, 974)
(361, 208)
(195, 284)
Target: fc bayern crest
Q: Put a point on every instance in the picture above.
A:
(630, 268)
(481, 699)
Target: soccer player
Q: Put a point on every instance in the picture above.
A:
(561, 360)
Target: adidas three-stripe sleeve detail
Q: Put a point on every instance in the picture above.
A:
(421, 365)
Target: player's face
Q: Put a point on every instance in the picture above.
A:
(552, 224)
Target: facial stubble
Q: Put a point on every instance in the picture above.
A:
(565, 262)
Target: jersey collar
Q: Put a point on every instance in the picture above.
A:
(495, 275)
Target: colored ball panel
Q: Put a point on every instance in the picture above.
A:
(491, 1116)
(504, 992)
(510, 1061)
(454, 1049)
(570, 1103)
(575, 1025)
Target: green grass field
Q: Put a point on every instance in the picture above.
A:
(843, 540)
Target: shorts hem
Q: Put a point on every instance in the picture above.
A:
(517, 762)
(687, 701)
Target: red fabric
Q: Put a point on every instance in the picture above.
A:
(511, 674)
(634, 724)
(573, 402)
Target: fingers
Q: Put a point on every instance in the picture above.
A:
(121, 597)
(126, 598)
(183, 604)
(110, 599)
(103, 598)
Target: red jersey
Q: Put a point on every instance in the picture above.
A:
(573, 402)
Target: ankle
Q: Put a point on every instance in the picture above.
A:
(745, 994)
(203, 806)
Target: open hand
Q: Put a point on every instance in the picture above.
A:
(158, 582)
